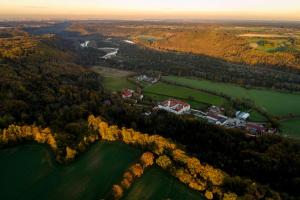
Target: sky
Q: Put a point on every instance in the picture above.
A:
(153, 9)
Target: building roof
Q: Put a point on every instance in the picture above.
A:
(174, 104)
(242, 115)
(255, 127)
(127, 93)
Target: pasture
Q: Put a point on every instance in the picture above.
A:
(31, 172)
(162, 91)
(274, 102)
(114, 84)
(114, 79)
(157, 184)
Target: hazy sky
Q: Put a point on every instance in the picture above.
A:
(204, 9)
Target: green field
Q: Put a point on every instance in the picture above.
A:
(114, 80)
(162, 91)
(116, 84)
(30, 172)
(274, 102)
(155, 184)
(291, 128)
(256, 117)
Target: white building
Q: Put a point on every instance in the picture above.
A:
(85, 44)
(242, 115)
(174, 106)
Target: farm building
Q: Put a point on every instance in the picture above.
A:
(242, 115)
(127, 93)
(215, 109)
(216, 118)
(148, 79)
(255, 128)
(174, 106)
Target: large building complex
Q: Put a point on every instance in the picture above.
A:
(174, 106)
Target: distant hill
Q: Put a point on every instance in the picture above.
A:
(230, 43)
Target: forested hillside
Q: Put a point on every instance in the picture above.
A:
(171, 49)
(41, 84)
(228, 42)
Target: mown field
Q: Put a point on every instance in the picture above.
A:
(156, 184)
(114, 79)
(30, 172)
(115, 84)
(275, 102)
(162, 91)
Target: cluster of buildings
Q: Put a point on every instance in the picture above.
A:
(132, 95)
(148, 79)
(174, 106)
(215, 115)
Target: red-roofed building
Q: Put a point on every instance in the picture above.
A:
(174, 106)
(126, 93)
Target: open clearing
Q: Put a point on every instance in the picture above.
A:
(111, 72)
(90, 177)
(192, 96)
(117, 84)
(156, 184)
(114, 79)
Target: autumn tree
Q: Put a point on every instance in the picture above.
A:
(147, 159)
(117, 192)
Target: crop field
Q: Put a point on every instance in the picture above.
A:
(90, 177)
(162, 91)
(156, 184)
(114, 79)
(274, 102)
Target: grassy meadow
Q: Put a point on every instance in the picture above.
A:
(156, 184)
(161, 91)
(40, 177)
(90, 177)
(275, 102)
(117, 84)
(114, 80)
